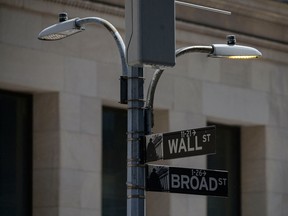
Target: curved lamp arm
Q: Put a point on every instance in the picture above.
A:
(113, 31)
(157, 74)
(149, 119)
(69, 27)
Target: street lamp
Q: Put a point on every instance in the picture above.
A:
(229, 50)
(134, 96)
(66, 28)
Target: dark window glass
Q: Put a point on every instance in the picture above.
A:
(15, 154)
(114, 151)
(227, 157)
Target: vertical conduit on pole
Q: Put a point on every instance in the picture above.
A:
(135, 167)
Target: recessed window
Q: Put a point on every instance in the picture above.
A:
(114, 162)
(15, 154)
(227, 157)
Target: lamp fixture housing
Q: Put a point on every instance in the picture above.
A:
(234, 52)
(60, 30)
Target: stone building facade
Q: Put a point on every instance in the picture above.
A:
(70, 82)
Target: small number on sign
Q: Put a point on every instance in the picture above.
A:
(186, 133)
(199, 173)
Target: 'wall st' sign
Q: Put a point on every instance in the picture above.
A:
(186, 180)
(179, 144)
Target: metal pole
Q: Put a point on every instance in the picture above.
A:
(135, 167)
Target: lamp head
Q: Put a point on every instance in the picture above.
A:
(61, 30)
(233, 51)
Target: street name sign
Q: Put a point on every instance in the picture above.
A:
(185, 143)
(186, 180)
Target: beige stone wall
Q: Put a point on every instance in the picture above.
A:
(72, 79)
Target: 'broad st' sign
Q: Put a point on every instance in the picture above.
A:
(186, 180)
(179, 144)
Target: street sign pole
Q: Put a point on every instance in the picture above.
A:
(135, 167)
(150, 40)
